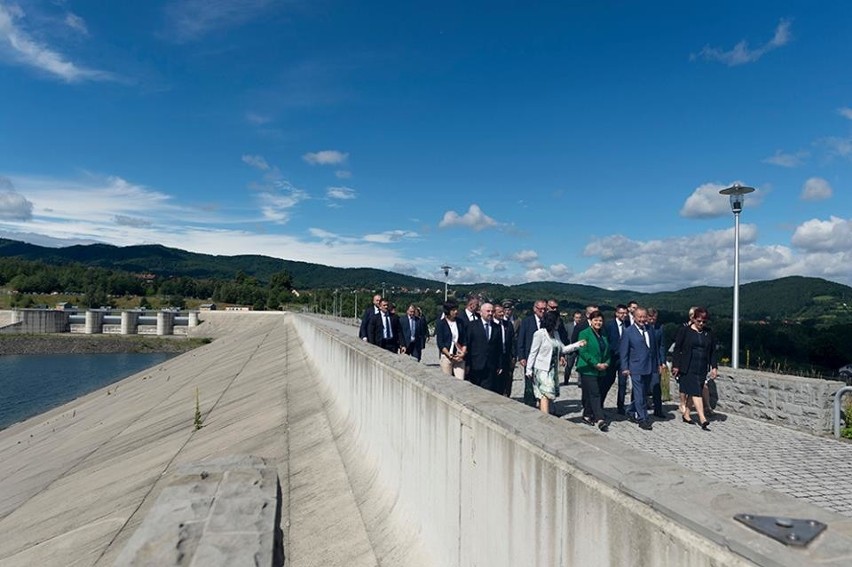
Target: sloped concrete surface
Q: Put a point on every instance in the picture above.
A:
(78, 481)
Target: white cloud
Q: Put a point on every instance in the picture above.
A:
(18, 45)
(342, 193)
(741, 53)
(257, 162)
(257, 119)
(190, 20)
(832, 235)
(819, 249)
(389, 236)
(845, 112)
(76, 23)
(525, 256)
(816, 189)
(554, 273)
(838, 147)
(786, 159)
(276, 206)
(14, 206)
(115, 211)
(671, 263)
(474, 219)
(706, 202)
(343, 174)
(325, 157)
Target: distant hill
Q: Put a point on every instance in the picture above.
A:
(793, 297)
(172, 262)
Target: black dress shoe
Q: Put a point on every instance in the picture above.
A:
(646, 425)
(603, 426)
(705, 426)
(689, 421)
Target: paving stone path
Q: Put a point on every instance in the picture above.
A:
(739, 450)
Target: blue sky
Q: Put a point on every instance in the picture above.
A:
(581, 142)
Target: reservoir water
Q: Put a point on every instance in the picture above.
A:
(33, 384)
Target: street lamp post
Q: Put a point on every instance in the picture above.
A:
(446, 279)
(355, 310)
(737, 194)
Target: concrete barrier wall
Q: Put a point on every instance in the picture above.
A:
(474, 479)
(37, 321)
(804, 404)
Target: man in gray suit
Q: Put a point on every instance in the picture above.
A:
(639, 360)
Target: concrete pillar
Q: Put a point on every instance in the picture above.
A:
(165, 323)
(129, 322)
(94, 322)
(192, 319)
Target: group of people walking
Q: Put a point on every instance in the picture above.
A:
(484, 343)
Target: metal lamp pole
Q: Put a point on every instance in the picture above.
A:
(737, 195)
(446, 279)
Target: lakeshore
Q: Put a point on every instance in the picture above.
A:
(95, 344)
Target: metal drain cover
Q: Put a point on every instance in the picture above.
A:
(789, 531)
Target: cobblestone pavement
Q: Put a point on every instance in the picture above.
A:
(738, 450)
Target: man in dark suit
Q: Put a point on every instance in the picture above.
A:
(507, 348)
(413, 335)
(529, 325)
(509, 315)
(614, 330)
(383, 329)
(368, 314)
(571, 358)
(483, 350)
(584, 324)
(656, 389)
(639, 359)
(561, 332)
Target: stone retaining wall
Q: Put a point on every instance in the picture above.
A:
(804, 404)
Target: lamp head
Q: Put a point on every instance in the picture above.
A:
(737, 194)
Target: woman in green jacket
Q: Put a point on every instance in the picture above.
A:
(593, 360)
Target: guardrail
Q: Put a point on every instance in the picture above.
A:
(837, 409)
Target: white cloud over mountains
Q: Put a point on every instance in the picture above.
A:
(116, 211)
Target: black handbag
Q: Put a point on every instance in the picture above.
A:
(714, 393)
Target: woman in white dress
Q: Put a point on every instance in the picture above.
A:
(543, 360)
